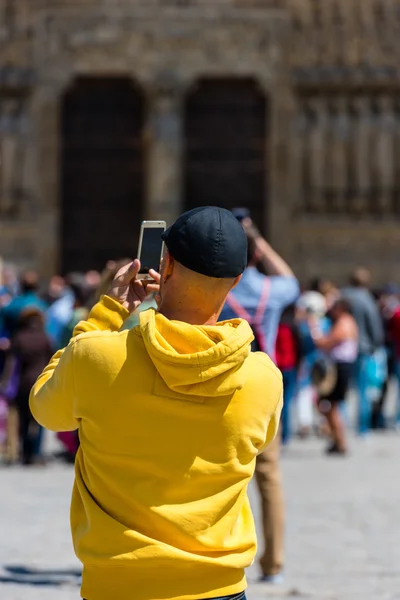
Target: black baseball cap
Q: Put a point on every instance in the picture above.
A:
(208, 240)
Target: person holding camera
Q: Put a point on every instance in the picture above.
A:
(171, 415)
(261, 299)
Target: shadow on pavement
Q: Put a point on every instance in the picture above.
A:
(50, 577)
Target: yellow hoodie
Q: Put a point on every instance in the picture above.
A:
(171, 417)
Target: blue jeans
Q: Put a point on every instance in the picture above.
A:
(289, 386)
(364, 404)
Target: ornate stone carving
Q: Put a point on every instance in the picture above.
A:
(350, 149)
(362, 150)
(397, 155)
(318, 152)
(384, 151)
(345, 32)
(13, 154)
(340, 135)
(298, 157)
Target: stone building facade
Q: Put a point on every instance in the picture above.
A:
(112, 111)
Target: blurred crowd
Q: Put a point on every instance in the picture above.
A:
(333, 341)
(328, 341)
(36, 320)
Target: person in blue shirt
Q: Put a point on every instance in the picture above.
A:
(27, 298)
(282, 287)
(261, 299)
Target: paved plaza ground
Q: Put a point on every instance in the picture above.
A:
(343, 527)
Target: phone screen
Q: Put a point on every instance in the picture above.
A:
(151, 249)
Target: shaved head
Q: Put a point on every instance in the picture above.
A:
(212, 284)
(186, 292)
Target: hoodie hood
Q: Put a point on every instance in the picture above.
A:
(200, 360)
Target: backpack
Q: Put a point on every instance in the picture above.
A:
(259, 343)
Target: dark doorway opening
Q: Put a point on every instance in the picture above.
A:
(102, 181)
(225, 146)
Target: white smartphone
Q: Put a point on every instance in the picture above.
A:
(151, 247)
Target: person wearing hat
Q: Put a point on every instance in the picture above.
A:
(310, 306)
(171, 415)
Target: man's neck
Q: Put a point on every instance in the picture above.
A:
(188, 315)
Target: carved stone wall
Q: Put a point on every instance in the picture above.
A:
(346, 34)
(345, 160)
(330, 70)
(17, 161)
(164, 45)
(343, 204)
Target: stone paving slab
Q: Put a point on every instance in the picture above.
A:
(343, 527)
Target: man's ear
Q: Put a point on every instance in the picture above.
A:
(238, 278)
(169, 266)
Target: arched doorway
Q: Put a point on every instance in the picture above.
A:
(225, 145)
(102, 182)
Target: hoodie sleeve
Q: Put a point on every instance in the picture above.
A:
(53, 397)
(106, 315)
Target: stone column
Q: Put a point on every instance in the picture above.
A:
(298, 158)
(384, 152)
(278, 213)
(339, 153)
(397, 151)
(46, 113)
(18, 200)
(163, 138)
(362, 148)
(317, 149)
(11, 154)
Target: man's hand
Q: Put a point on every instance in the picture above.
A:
(129, 291)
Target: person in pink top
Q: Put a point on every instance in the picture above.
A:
(341, 345)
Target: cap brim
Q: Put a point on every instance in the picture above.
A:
(165, 234)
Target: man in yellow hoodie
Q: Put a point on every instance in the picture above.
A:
(171, 416)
